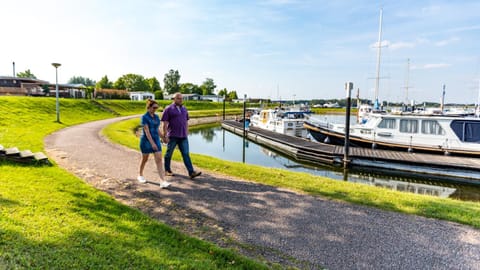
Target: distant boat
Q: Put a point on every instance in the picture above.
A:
(439, 134)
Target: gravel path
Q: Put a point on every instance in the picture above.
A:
(264, 222)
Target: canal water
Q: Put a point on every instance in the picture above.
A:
(219, 143)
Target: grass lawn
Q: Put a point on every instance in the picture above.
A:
(50, 219)
(195, 108)
(428, 206)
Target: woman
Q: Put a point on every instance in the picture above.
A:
(150, 142)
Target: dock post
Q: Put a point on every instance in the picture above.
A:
(348, 88)
(244, 122)
(224, 97)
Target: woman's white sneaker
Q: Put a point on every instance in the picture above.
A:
(165, 184)
(141, 179)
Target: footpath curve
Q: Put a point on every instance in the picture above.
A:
(263, 221)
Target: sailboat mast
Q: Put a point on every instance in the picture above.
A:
(379, 51)
(442, 104)
(406, 80)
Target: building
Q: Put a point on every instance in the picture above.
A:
(214, 98)
(141, 96)
(185, 97)
(16, 86)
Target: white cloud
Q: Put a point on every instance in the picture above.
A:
(446, 41)
(401, 45)
(385, 43)
(431, 66)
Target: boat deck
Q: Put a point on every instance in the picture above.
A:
(321, 153)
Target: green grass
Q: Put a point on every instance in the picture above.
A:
(428, 206)
(26, 120)
(50, 219)
(196, 108)
(332, 110)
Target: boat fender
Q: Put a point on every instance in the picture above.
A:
(410, 150)
(327, 140)
(374, 145)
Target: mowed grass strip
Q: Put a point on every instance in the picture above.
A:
(423, 205)
(50, 219)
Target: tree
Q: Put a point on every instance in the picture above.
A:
(154, 84)
(190, 88)
(223, 92)
(45, 89)
(104, 83)
(158, 94)
(232, 95)
(208, 87)
(26, 74)
(171, 82)
(132, 82)
(81, 80)
(89, 90)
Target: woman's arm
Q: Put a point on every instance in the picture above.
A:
(146, 130)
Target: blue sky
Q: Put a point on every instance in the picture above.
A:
(273, 48)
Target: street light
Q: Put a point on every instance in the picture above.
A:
(56, 65)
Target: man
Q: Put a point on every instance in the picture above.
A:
(175, 132)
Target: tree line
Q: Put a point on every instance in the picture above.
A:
(136, 82)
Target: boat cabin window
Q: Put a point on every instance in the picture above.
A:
(466, 131)
(387, 123)
(408, 126)
(432, 127)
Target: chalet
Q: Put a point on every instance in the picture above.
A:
(141, 95)
(185, 97)
(214, 98)
(16, 86)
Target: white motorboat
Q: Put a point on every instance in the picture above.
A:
(413, 132)
(289, 122)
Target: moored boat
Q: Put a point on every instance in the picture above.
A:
(413, 132)
(289, 122)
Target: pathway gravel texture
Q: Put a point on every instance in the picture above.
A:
(264, 222)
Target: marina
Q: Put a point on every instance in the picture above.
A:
(461, 169)
(224, 144)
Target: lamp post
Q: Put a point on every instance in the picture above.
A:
(56, 65)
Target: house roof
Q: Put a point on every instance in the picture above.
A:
(30, 80)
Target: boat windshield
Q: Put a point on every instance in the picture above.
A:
(466, 130)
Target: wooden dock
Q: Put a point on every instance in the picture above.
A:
(320, 153)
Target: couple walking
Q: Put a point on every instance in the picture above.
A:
(173, 131)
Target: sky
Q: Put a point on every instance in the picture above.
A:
(277, 49)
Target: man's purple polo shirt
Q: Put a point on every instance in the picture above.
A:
(177, 118)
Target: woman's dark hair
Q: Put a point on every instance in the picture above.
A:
(150, 103)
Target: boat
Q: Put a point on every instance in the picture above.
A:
(439, 134)
(363, 111)
(285, 121)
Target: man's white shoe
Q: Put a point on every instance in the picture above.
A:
(141, 179)
(165, 184)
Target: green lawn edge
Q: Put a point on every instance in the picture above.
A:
(51, 219)
(463, 212)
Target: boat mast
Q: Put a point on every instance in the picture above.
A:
(376, 105)
(406, 81)
(443, 99)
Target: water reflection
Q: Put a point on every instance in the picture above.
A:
(220, 143)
